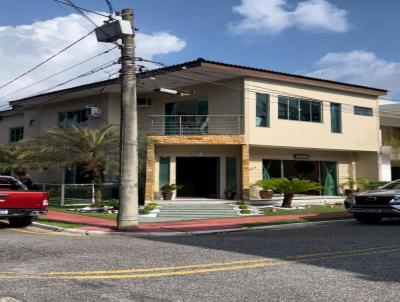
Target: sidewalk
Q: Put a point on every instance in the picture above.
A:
(106, 225)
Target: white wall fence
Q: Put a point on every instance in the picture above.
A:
(66, 195)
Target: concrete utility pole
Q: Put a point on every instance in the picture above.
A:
(128, 193)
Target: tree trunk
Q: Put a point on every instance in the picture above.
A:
(97, 195)
(287, 200)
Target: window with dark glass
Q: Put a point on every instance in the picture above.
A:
(336, 118)
(16, 134)
(77, 118)
(316, 111)
(283, 108)
(262, 110)
(299, 109)
(363, 111)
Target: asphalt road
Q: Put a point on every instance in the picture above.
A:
(337, 262)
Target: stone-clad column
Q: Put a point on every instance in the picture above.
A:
(150, 172)
(245, 172)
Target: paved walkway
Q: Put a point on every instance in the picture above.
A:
(107, 225)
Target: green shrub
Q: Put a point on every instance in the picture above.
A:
(151, 206)
(110, 203)
(170, 188)
(243, 207)
(245, 211)
(373, 185)
(239, 203)
(144, 211)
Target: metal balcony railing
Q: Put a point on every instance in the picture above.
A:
(195, 124)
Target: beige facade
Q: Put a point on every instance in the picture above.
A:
(359, 133)
(229, 128)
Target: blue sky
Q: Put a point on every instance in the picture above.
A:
(349, 40)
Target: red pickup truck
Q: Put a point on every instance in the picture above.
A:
(19, 205)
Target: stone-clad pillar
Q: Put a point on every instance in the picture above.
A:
(245, 172)
(150, 172)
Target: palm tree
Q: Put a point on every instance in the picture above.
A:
(95, 150)
(289, 187)
(14, 158)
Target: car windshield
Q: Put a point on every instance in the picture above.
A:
(394, 185)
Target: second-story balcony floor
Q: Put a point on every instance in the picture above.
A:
(195, 125)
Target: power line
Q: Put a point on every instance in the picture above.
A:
(110, 7)
(57, 73)
(90, 72)
(80, 11)
(45, 61)
(259, 90)
(81, 8)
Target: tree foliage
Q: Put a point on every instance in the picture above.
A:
(15, 158)
(289, 187)
(96, 151)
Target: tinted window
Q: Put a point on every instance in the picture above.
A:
(336, 118)
(283, 108)
(394, 185)
(16, 134)
(262, 110)
(362, 111)
(299, 110)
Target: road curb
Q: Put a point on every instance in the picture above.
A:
(292, 225)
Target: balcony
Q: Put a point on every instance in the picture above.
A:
(195, 124)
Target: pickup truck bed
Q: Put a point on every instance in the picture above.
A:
(19, 206)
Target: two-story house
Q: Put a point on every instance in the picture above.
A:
(390, 136)
(228, 125)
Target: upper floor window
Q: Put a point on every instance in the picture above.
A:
(262, 110)
(363, 111)
(336, 118)
(299, 110)
(16, 134)
(77, 118)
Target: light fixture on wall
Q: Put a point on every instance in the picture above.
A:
(174, 92)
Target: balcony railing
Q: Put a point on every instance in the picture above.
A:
(195, 124)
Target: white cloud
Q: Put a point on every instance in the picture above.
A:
(24, 46)
(360, 67)
(274, 16)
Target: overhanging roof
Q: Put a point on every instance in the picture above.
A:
(196, 72)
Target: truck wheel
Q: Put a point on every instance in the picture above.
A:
(20, 222)
(368, 218)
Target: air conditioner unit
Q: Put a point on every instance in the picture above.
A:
(94, 111)
(144, 102)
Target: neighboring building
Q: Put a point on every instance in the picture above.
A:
(241, 125)
(390, 132)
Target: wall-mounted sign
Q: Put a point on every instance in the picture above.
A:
(301, 156)
(198, 153)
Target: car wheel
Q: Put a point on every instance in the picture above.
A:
(20, 222)
(368, 218)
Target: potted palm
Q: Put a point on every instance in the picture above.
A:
(289, 187)
(352, 185)
(266, 191)
(167, 190)
(230, 192)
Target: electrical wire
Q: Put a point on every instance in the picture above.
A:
(259, 90)
(81, 8)
(45, 61)
(87, 73)
(80, 11)
(57, 73)
(110, 7)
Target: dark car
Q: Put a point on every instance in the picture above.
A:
(373, 206)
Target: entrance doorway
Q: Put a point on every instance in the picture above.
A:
(198, 176)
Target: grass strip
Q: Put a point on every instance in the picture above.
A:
(300, 220)
(60, 224)
(315, 209)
